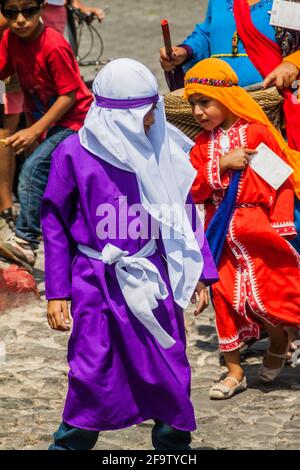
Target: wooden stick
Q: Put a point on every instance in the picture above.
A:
(175, 77)
(167, 38)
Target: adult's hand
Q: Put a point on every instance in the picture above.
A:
(179, 55)
(98, 12)
(283, 76)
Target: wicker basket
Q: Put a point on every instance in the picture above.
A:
(179, 112)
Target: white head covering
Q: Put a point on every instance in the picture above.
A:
(159, 160)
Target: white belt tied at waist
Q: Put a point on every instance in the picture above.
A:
(140, 282)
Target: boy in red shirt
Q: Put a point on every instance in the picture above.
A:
(55, 97)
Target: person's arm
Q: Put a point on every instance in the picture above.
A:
(23, 139)
(193, 49)
(281, 214)
(57, 210)
(199, 41)
(66, 79)
(282, 211)
(98, 12)
(209, 177)
(6, 66)
(286, 73)
(236, 159)
(209, 274)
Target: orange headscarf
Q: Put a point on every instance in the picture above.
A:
(216, 79)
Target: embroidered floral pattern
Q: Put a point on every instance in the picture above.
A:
(215, 151)
(230, 344)
(285, 228)
(213, 169)
(210, 82)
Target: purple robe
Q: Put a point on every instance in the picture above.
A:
(119, 374)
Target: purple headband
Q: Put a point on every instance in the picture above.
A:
(124, 104)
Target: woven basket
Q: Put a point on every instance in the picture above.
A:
(179, 112)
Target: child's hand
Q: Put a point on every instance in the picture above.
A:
(178, 57)
(236, 159)
(58, 315)
(22, 140)
(203, 301)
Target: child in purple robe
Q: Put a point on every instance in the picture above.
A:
(127, 287)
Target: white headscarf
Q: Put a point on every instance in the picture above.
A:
(159, 160)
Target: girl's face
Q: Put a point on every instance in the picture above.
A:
(210, 113)
(23, 17)
(149, 119)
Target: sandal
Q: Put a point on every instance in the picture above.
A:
(220, 391)
(294, 348)
(268, 375)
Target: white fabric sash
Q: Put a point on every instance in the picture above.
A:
(140, 282)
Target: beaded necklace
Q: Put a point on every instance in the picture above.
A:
(235, 38)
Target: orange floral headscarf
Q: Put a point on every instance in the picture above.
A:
(216, 79)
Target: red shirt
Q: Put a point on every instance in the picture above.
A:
(46, 68)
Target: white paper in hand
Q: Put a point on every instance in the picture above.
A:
(269, 166)
(285, 14)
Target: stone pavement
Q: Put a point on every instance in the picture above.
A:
(33, 379)
(132, 29)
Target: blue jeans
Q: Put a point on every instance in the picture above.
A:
(32, 184)
(164, 437)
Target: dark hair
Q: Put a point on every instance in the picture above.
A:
(39, 2)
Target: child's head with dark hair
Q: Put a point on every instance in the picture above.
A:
(23, 17)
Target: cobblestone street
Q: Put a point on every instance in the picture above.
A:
(33, 379)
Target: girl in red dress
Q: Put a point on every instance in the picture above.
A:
(259, 284)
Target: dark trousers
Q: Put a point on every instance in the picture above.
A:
(164, 437)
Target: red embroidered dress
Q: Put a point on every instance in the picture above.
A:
(259, 270)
